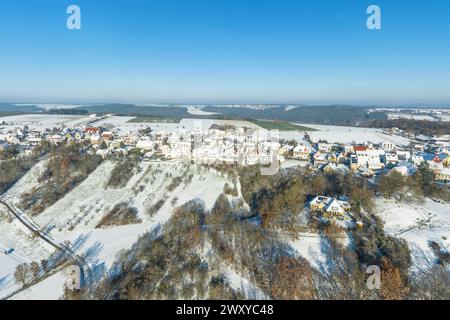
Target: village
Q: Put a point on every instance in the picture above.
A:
(243, 146)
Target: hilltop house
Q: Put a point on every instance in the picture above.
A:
(330, 207)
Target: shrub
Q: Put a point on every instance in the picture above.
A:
(121, 214)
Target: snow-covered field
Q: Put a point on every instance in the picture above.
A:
(417, 223)
(53, 106)
(198, 111)
(43, 121)
(338, 134)
(123, 124)
(411, 116)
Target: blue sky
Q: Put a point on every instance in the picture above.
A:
(206, 51)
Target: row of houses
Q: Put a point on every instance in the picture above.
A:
(372, 159)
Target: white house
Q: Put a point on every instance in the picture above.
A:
(145, 144)
(388, 146)
(331, 206)
(324, 147)
(391, 158)
(370, 158)
(417, 159)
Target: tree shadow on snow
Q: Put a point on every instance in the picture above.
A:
(3, 281)
(79, 242)
(91, 254)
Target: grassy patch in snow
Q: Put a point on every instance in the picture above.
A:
(280, 125)
(154, 120)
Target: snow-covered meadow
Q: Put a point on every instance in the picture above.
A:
(41, 122)
(341, 134)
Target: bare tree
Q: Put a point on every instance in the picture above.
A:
(22, 274)
(35, 269)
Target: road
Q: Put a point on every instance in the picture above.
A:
(22, 218)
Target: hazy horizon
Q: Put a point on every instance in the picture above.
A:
(226, 52)
(194, 103)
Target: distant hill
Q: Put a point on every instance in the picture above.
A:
(12, 108)
(331, 115)
(134, 110)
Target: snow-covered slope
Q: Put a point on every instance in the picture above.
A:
(417, 223)
(74, 218)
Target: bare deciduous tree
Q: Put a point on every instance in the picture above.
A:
(22, 274)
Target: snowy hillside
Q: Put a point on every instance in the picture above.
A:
(417, 223)
(74, 218)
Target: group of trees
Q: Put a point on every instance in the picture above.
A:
(429, 128)
(121, 214)
(279, 199)
(421, 184)
(167, 264)
(13, 165)
(9, 152)
(122, 173)
(27, 272)
(68, 166)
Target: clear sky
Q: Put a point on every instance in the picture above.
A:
(206, 51)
